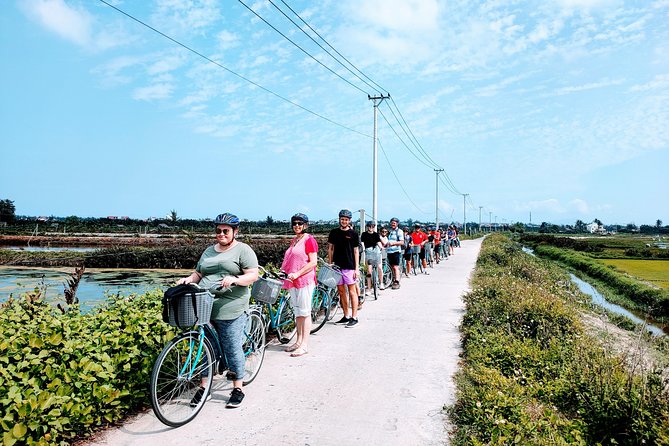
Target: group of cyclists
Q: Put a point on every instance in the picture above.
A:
(233, 266)
(400, 246)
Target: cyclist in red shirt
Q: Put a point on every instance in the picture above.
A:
(419, 239)
(437, 242)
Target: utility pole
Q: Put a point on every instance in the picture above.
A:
(377, 100)
(436, 199)
(464, 212)
(480, 207)
(489, 221)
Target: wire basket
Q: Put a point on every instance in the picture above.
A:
(329, 276)
(191, 309)
(372, 256)
(266, 290)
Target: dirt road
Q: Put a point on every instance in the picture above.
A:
(383, 382)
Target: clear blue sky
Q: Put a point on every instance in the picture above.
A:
(559, 108)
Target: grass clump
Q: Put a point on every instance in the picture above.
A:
(530, 374)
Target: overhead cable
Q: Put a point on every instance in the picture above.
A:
(397, 179)
(317, 43)
(267, 90)
(302, 49)
(380, 88)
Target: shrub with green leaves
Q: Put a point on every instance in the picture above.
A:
(61, 375)
(530, 374)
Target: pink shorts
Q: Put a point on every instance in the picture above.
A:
(347, 277)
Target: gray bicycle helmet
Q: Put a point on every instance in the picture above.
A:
(369, 224)
(345, 213)
(395, 219)
(299, 217)
(227, 219)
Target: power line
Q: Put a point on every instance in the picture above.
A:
(417, 146)
(316, 42)
(397, 179)
(333, 48)
(267, 90)
(302, 49)
(402, 141)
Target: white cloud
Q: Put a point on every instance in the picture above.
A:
(177, 17)
(579, 205)
(73, 24)
(660, 81)
(590, 86)
(153, 92)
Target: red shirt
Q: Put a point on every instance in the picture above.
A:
(418, 237)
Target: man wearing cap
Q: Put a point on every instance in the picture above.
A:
(419, 239)
(343, 251)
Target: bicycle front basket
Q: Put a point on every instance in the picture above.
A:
(191, 309)
(266, 290)
(328, 276)
(372, 256)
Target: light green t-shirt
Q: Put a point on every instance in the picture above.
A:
(213, 266)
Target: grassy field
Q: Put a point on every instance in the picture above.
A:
(652, 271)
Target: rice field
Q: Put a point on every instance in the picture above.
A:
(655, 272)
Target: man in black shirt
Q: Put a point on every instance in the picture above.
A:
(343, 249)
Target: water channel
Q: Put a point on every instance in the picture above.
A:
(94, 284)
(600, 300)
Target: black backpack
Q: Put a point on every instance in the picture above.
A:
(171, 298)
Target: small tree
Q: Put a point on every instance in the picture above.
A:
(580, 226)
(658, 224)
(269, 220)
(7, 211)
(173, 216)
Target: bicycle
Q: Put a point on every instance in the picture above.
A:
(416, 260)
(429, 254)
(372, 257)
(320, 307)
(328, 277)
(387, 273)
(278, 316)
(197, 353)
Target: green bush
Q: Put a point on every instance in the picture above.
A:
(62, 375)
(530, 374)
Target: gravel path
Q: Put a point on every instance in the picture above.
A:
(383, 382)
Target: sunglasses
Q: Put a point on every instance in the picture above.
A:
(225, 231)
(298, 223)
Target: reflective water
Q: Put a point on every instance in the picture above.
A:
(598, 299)
(93, 285)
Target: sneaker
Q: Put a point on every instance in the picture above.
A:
(343, 320)
(395, 285)
(352, 323)
(198, 396)
(236, 398)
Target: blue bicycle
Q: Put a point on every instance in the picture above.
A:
(196, 353)
(277, 312)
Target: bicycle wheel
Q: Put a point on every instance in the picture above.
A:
(333, 302)
(177, 375)
(416, 262)
(319, 309)
(285, 323)
(254, 346)
(387, 275)
(375, 285)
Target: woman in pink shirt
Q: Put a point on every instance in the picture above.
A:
(299, 263)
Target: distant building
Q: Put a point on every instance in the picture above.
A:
(595, 228)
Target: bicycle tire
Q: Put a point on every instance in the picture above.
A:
(173, 387)
(333, 302)
(254, 346)
(375, 285)
(416, 262)
(319, 309)
(285, 323)
(387, 275)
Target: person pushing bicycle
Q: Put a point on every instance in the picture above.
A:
(234, 266)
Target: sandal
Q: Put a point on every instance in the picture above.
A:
(292, 348)
(299, 352)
